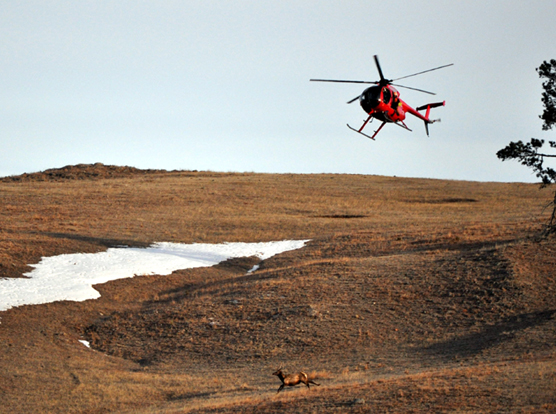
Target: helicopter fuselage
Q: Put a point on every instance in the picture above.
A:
(384, 104)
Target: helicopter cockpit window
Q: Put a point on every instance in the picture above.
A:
(386, 95)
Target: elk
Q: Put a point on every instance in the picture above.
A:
(292, 379)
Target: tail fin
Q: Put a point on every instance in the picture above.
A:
(428, 108)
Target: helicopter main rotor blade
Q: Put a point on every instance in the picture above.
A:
(342, 81)
(413, 89)
(382, 78)
(420, 73)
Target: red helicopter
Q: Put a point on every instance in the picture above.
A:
(383, 102)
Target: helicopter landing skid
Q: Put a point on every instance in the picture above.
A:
(359, 131)
(362, 133)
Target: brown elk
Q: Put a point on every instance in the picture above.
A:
(293, 379)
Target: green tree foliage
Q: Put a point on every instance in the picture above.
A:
(534, 154)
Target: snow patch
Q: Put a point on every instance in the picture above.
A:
(84, 342)
(72, 276)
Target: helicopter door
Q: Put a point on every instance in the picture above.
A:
(386, 95)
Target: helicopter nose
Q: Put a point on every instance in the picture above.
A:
(370, 98)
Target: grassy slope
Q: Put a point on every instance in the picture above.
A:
(413, 296)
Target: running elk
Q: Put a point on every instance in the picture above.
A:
(293, 379)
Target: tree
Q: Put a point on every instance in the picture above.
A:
(532, 154)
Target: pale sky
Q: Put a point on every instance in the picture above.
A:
(224, 85)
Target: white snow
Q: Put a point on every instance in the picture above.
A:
(84, 342)
(72, 276)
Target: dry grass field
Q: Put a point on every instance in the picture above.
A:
(413, 295)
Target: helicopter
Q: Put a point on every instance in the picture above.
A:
(382, 101)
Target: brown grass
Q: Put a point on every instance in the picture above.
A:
(413, 295)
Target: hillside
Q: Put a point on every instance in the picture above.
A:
(413, 295)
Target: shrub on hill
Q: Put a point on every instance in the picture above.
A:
(81, 172)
